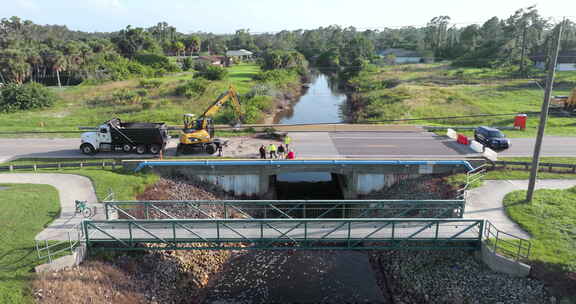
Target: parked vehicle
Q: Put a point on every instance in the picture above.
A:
(198, 134)
(115, 135)
(492, 138)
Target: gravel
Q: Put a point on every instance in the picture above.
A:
(452, 277)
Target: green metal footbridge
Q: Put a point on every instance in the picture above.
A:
(284, 224)
(369, 233)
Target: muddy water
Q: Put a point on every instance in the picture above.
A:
(321, 103)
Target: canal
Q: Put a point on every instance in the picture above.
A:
(321, 103)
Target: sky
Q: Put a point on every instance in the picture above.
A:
(226, 16)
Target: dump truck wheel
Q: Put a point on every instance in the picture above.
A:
(141, 149)
(87, 149)
(127, 148)
(155, 149)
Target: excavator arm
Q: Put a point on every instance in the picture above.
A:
(222, 99)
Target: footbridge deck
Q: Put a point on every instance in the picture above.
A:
(228, 234)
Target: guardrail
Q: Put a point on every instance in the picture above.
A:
(527, 166)
(61, 165)
(49, 250)
(506, 244)
(472, 176)
(285, 209)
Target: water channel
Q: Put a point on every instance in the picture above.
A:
(321, 103)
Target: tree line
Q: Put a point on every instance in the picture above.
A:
(41, 53)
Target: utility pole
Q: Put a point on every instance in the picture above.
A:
(544, 115)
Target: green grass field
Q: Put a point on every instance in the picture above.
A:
(90, 105)
(438, 90)
(551, 220)
(24, 211)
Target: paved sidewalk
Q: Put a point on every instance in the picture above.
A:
(70, 188)
(487, 201)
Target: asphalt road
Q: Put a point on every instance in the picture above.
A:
(379, 144)
(398, 144)
(560, 146)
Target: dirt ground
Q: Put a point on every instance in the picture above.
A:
(246, 146)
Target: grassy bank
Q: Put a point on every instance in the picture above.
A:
(551, 220)
(24, 211)
(90, 105)
(438, 90)
(125, 185)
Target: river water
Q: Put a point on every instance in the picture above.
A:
(321, 103)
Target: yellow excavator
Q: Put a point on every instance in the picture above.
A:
(568, 102)
(198, 134)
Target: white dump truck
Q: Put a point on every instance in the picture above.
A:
(115, 135)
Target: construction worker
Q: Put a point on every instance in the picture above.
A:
(262, 151)
(287, 141)
(272, 150)
(291, 154)
(281, 151)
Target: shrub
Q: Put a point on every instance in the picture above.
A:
(147, 104)
(192, 88)
(142, 92)
(125, 96)
(213, 72)
(158, 62)
(187, 64)
(150, 83)
(25, 97)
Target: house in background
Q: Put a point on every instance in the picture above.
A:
(566, 61)
(238, 55)
(213, 60)
(402, 56)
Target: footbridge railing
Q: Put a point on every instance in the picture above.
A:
(289, 209)
(284, 233)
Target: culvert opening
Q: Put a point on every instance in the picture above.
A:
(310, 186)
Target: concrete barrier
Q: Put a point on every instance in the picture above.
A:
(451, 133)
(502, 264)
(476, 146)
(490, 154)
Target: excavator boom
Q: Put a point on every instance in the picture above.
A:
(222, 99)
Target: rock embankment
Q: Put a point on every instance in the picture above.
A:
(452, 277)
(141, 277)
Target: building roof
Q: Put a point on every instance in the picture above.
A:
(240, 52)
(400, 53)
(563, 57)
